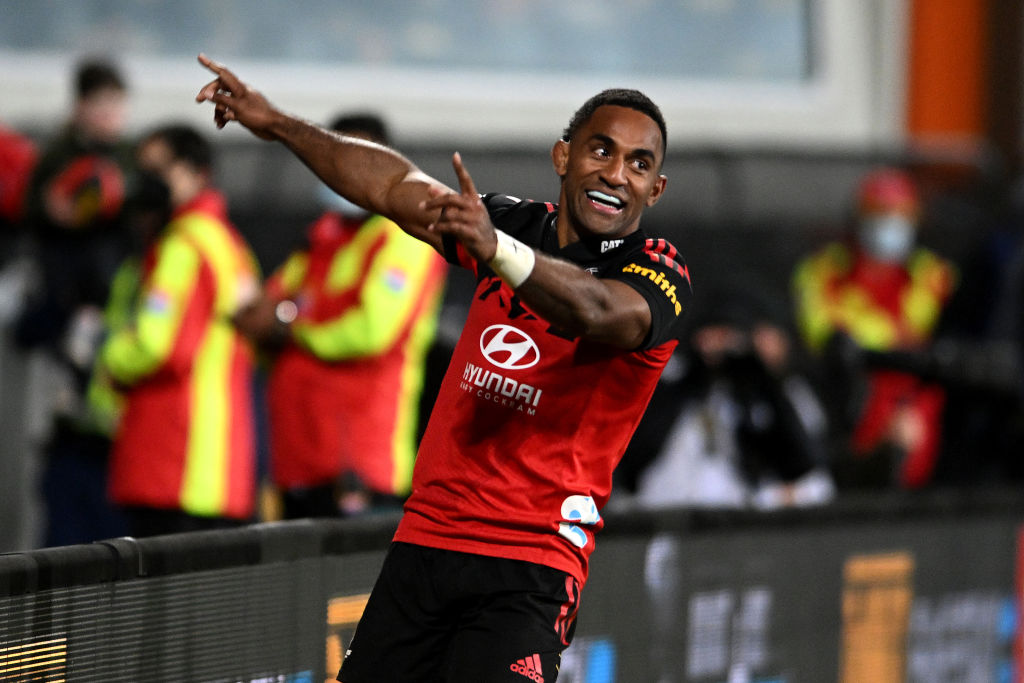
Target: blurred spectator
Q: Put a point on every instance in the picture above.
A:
(733, 422)
(184, 453)
(75, 239)
(73, 214)
(18, 156)
(76, 478)
(979, 352)
(862, 303)
(74, 484)
(350, 318)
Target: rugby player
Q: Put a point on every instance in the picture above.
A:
(573, 318)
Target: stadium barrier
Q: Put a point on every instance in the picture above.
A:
(878, 588)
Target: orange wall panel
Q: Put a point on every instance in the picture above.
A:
(946, 80)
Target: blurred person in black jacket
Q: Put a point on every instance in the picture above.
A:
(734, 421)
(77, 233)
(73, 214)
(979, 351)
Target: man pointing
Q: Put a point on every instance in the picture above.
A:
(570, 326)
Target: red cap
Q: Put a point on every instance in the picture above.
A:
(886, 190)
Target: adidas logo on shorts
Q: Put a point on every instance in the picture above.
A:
(529, 667)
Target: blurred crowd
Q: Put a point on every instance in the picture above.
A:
(196, 391)
(884, 366)
(191, 391)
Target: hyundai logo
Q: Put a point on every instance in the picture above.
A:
(508, 347)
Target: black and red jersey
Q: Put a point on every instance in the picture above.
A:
(529, 423)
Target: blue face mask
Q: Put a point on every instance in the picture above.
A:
(888, 237)
(332, 201)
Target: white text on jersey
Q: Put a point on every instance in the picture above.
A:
(503, 390)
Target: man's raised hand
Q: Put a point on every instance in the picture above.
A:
(235, 101)
(463, 215)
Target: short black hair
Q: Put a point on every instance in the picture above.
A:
(619, 97)
(186, 144)
(367, 123)
(93, 75)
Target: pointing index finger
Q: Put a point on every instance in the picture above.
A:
(210, 64)
(466, 185)
(227, 79)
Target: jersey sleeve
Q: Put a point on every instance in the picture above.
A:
(455, 254)
(660, 275)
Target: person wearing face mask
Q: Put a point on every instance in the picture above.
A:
(879, 293)
(183, 457)
(349, 319)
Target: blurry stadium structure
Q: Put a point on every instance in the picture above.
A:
(873, 589)
(775, 108)
(787, 74)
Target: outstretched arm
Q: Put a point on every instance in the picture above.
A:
(377, 178)
(384, 182)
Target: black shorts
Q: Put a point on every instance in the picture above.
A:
(440, 615)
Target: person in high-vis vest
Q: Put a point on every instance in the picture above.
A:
(352, 315)
(184, 451)
(881, 292)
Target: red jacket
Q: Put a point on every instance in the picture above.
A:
(186, 439)
(344, 395)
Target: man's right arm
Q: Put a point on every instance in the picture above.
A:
(376, 177)
(385, 182)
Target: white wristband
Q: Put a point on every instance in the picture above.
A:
(513, 261)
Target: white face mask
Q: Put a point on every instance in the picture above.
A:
(332, 201)
(888, 237)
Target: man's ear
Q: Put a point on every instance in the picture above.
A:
(560, 157)
(657, 190)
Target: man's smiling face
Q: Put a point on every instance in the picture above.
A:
(610, 172)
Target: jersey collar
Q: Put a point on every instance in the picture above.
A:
(589, 250)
